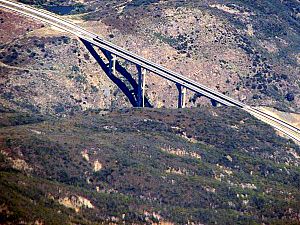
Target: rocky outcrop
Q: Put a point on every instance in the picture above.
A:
(76, 202)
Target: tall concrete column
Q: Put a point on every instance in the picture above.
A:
(141, 86)
(112, 63)
(181, 95)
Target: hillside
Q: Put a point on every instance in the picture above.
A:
(247, 50)
(143, 166)
(74, 151)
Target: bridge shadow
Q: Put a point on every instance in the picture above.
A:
(130, 92)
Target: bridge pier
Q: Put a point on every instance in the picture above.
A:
(141, 86)
(112, 63)
(181, 95)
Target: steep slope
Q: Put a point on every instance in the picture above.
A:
(61, 165)
(142, 166)
(248, 50)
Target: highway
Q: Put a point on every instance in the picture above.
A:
(55, 20)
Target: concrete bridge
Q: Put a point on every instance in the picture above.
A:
(108, 59)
